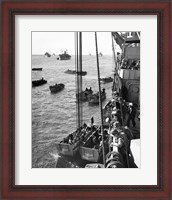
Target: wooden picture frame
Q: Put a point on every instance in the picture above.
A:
(12, 8)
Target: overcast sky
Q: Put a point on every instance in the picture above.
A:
(55, 42)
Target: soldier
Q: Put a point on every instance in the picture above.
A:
(92, 121)
(118, 57)
(132, 115)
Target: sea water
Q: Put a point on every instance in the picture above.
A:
(54, 115)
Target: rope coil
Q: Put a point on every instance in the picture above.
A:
(114, 160)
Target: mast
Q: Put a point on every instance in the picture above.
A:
(78, 67)
(100, 99)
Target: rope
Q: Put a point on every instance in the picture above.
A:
(115, 163)
(100, 99)
(114, 159)
(116, 156)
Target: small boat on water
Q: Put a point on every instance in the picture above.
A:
(91, 150)
(71, 144)
(36, 69)
(38, 82)
(57, 88)
(64, 56)
(85, 95)
(106, 80)
(83, 73)
(94, 100)
(68, 71)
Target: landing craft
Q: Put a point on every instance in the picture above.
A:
(38, 82)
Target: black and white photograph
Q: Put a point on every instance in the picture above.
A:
(86, 99)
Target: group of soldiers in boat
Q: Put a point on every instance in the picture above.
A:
(87, 136)
(92, 98)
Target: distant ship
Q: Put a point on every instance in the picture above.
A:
(100, 54)
(47, 55)
(64, 56)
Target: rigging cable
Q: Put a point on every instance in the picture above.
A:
(100, 99)
(114, 57)
(79, 74)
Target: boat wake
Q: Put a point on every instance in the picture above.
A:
(62, 162)
(56, 156)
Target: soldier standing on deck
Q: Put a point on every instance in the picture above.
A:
(132, 115)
